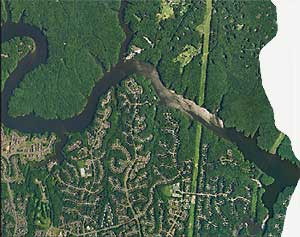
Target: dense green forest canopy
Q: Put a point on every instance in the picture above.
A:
(84, 41)
(11, 53)
(133, 167)
(233, 90)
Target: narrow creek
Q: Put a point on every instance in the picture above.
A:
(284, 172)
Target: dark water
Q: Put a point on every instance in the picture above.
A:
(284, 172)
(34, 124)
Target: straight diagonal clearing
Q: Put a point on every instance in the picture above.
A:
(204, 29)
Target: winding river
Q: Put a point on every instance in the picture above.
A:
(284, 172)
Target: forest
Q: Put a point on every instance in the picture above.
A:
(274, 225)
(84, 40)
(234, 85)
(11, 53)
(134, 168)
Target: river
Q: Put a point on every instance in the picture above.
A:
(283, 171)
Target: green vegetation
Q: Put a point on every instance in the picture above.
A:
(55, 197)
(254, 198)
(274, 225)
(167, 39)
(80, 164)
(129, 144)
(206, 32)
(286, 152)
(166, 11)
(141, 168)
(220, 169)
(165, 192)
(194, 179)
(38, 209)
(184, 58)
(234, 87)
(42, 219)
(266, 180)
(277, 143)
(84, 42)
(32, 196)
(11, 53)
(3, 12)
(171, 9)
(181, 43)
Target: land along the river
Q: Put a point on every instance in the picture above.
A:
(284, 173)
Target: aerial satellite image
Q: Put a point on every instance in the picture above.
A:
(140, 118)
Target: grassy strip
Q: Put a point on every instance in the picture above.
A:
(203, 29)
(254, 198)
(254, 202)
(277, 143)
(194, 180)
(206, 31)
